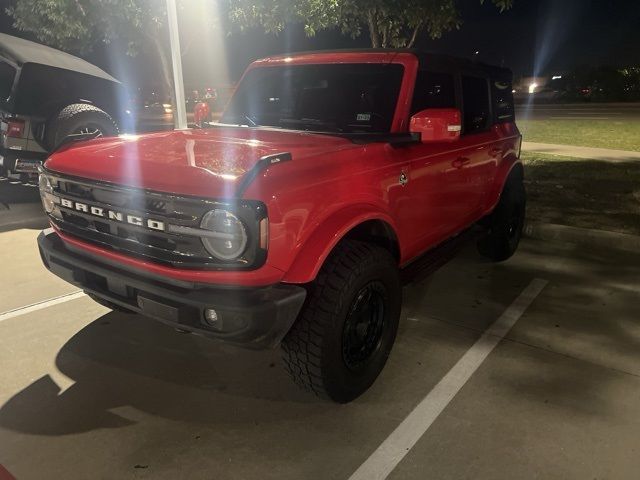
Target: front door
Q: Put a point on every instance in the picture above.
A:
(442, 178)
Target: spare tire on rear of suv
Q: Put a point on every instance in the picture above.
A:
(79, 118)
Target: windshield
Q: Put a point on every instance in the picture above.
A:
(349, 98)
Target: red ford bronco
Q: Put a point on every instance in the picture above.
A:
(291, 221)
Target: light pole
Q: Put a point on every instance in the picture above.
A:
(180, 112)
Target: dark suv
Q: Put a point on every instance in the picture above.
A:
(47, 95)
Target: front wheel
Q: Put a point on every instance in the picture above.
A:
(345, 332)
(505, 223)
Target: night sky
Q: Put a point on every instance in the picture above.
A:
(535, 37)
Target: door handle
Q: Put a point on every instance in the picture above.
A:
(460, 162)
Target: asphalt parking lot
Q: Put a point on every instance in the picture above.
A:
(20, 206)
(90, 393)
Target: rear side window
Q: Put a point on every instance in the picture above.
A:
(475, 98)
(433, 90)
(7, 74)
(502, 95)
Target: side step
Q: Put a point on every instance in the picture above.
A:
(430, 262)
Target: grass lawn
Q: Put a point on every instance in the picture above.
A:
(619, 135)
(583, 193)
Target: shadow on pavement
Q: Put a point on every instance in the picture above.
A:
(20, 207)
(14, 192)
(127, 360)
(591, 307)
(124, 367)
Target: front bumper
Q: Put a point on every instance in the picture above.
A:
(250, 317)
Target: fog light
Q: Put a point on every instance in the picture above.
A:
(211, 317)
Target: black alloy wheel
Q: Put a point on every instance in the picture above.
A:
(364, 325)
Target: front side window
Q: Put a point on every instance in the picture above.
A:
(433, 90)
(475, 99)
(349, 98)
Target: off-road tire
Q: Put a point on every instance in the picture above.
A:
(76, 117)
(313, 349)
(506, 222)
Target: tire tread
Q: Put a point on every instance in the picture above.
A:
(67, 115)
(303, 345)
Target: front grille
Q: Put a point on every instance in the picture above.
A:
(163, 247)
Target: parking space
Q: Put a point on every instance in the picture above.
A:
(90, 393)
(559, 398)
(25, 280)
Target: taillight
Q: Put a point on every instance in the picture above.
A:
(15, 128)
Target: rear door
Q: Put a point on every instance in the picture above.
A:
(507, 143)
(476, 159)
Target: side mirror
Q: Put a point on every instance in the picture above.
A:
(437, 124)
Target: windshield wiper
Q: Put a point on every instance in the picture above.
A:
(310, 123)
(235, 120)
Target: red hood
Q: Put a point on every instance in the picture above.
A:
(208, 163)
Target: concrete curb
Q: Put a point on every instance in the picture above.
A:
(589, 153)
(582, 236)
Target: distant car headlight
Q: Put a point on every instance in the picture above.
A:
(228, 237)
(49, 200)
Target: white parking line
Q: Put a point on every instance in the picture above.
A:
(40, 305)
(387, 456)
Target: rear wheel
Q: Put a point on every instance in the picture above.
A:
(506, 222)
(79, 118)
(345, 332)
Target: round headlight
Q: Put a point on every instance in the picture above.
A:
(228, 237)
(46, 193)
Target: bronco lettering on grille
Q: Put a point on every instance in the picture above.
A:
(113, 215)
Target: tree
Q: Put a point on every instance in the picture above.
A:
(600, 84)
(390, 23)
(76, 26)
